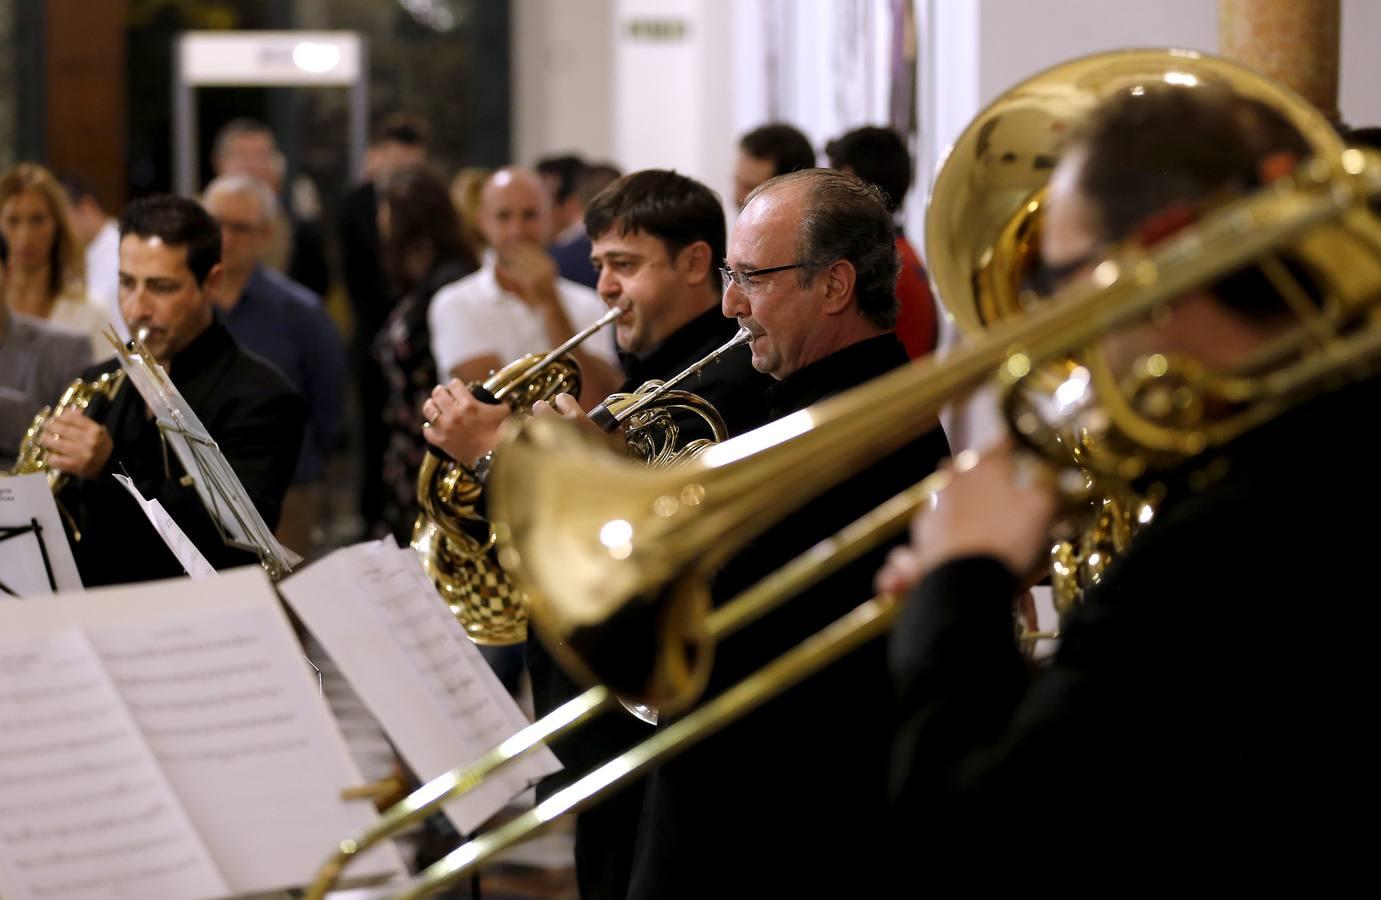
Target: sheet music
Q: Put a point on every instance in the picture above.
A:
(24, 499)
(229, 711)
(84, 809)
(216, 482)
(379, 617)
(176, 540)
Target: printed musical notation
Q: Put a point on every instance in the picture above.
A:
(165, 741)
(373, 609)
(82, 801)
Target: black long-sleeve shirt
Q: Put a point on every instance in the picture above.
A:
(250, 410)
(1207, 707)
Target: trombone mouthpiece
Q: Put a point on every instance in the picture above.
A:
(142, 334)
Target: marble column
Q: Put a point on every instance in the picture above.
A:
(1294, 42)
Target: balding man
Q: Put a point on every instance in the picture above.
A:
(516, 303)
(812, 269)
(283, 322)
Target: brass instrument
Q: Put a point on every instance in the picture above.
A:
(451, 537)
(651, 433)
(458, 555)
(597, 541)
(33, 457)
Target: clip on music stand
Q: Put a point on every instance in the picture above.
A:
(221, 492)
(13, 531)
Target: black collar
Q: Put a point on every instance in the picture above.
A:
(836, 373)
(196, 368)
(684, 346)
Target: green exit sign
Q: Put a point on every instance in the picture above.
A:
(666, 30)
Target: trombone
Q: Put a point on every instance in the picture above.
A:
(847, 430)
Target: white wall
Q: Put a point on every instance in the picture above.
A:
(674, 94)
(563, 76)
(1359, 78)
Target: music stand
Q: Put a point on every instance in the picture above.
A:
(8, 532)
(35, 558)
(221, 492)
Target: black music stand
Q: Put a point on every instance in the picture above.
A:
(13, 531)
(221, 492)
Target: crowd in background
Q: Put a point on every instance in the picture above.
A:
(405, 233)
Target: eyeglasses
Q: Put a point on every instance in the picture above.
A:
(240, 228)
(744, 280)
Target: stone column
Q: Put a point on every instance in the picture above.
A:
(1294, 42)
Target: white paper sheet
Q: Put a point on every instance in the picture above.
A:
(375, 612)
(84, 809)
(227, 705)
(216, 482)
(176, 540)
(215, 682)
(23, 500)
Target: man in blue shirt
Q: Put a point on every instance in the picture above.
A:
(285, 323)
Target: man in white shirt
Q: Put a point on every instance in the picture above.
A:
(100, 235)
(516, 303)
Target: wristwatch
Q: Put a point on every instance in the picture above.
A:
(482, 466)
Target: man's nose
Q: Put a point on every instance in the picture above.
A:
(607, 285)
(734, 303)
(134, 305)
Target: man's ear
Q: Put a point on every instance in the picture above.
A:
(698, 263)
(839, 280)
(211, 287)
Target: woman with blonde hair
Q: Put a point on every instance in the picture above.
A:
(44, 270)
(465, 197)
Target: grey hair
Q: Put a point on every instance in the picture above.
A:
(845, 217)
(243, 184)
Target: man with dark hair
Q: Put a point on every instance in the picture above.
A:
(1174, 696)
(400, 143)
(766, 152)
(561, 175)
(170, 269)
(658, 238)
(811, 273)
(571, 249)
(246, 146)
(879, 156)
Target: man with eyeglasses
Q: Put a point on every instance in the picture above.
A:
(790, 801)
(657, 239)
(283, 322)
